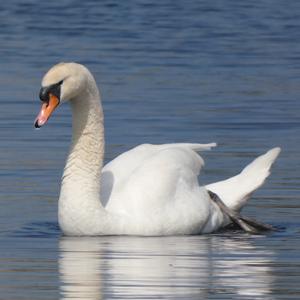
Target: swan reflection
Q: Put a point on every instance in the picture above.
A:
(185, 267)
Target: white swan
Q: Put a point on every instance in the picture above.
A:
(149, 190)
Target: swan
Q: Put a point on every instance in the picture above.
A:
(151, 190)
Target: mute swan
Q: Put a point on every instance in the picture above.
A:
(149, 190)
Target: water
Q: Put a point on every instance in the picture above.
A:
(173, 71)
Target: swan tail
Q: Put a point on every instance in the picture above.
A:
(236, 190)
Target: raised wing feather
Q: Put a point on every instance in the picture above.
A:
(154, 170)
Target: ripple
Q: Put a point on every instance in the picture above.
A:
(38, 230)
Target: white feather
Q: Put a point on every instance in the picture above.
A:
(236, 190)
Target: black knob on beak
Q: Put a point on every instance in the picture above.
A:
(44, 94)
(54, 89)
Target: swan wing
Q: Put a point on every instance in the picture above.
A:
(152, 169)
(161, 195)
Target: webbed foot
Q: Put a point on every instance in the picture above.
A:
(247, 224)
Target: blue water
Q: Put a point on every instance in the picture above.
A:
(171, 71)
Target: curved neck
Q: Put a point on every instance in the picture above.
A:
(81, 177)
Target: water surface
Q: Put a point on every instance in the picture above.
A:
(174, 71)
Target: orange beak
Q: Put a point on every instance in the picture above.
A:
(46, 111)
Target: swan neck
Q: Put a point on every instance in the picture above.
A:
(81, 178)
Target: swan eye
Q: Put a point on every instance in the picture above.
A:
(54, 89)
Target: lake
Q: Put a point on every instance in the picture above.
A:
(171, 71)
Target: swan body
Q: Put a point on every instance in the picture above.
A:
(149, 190)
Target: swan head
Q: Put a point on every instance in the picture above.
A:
(63, 82)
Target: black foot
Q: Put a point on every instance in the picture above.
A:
(245, 223)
